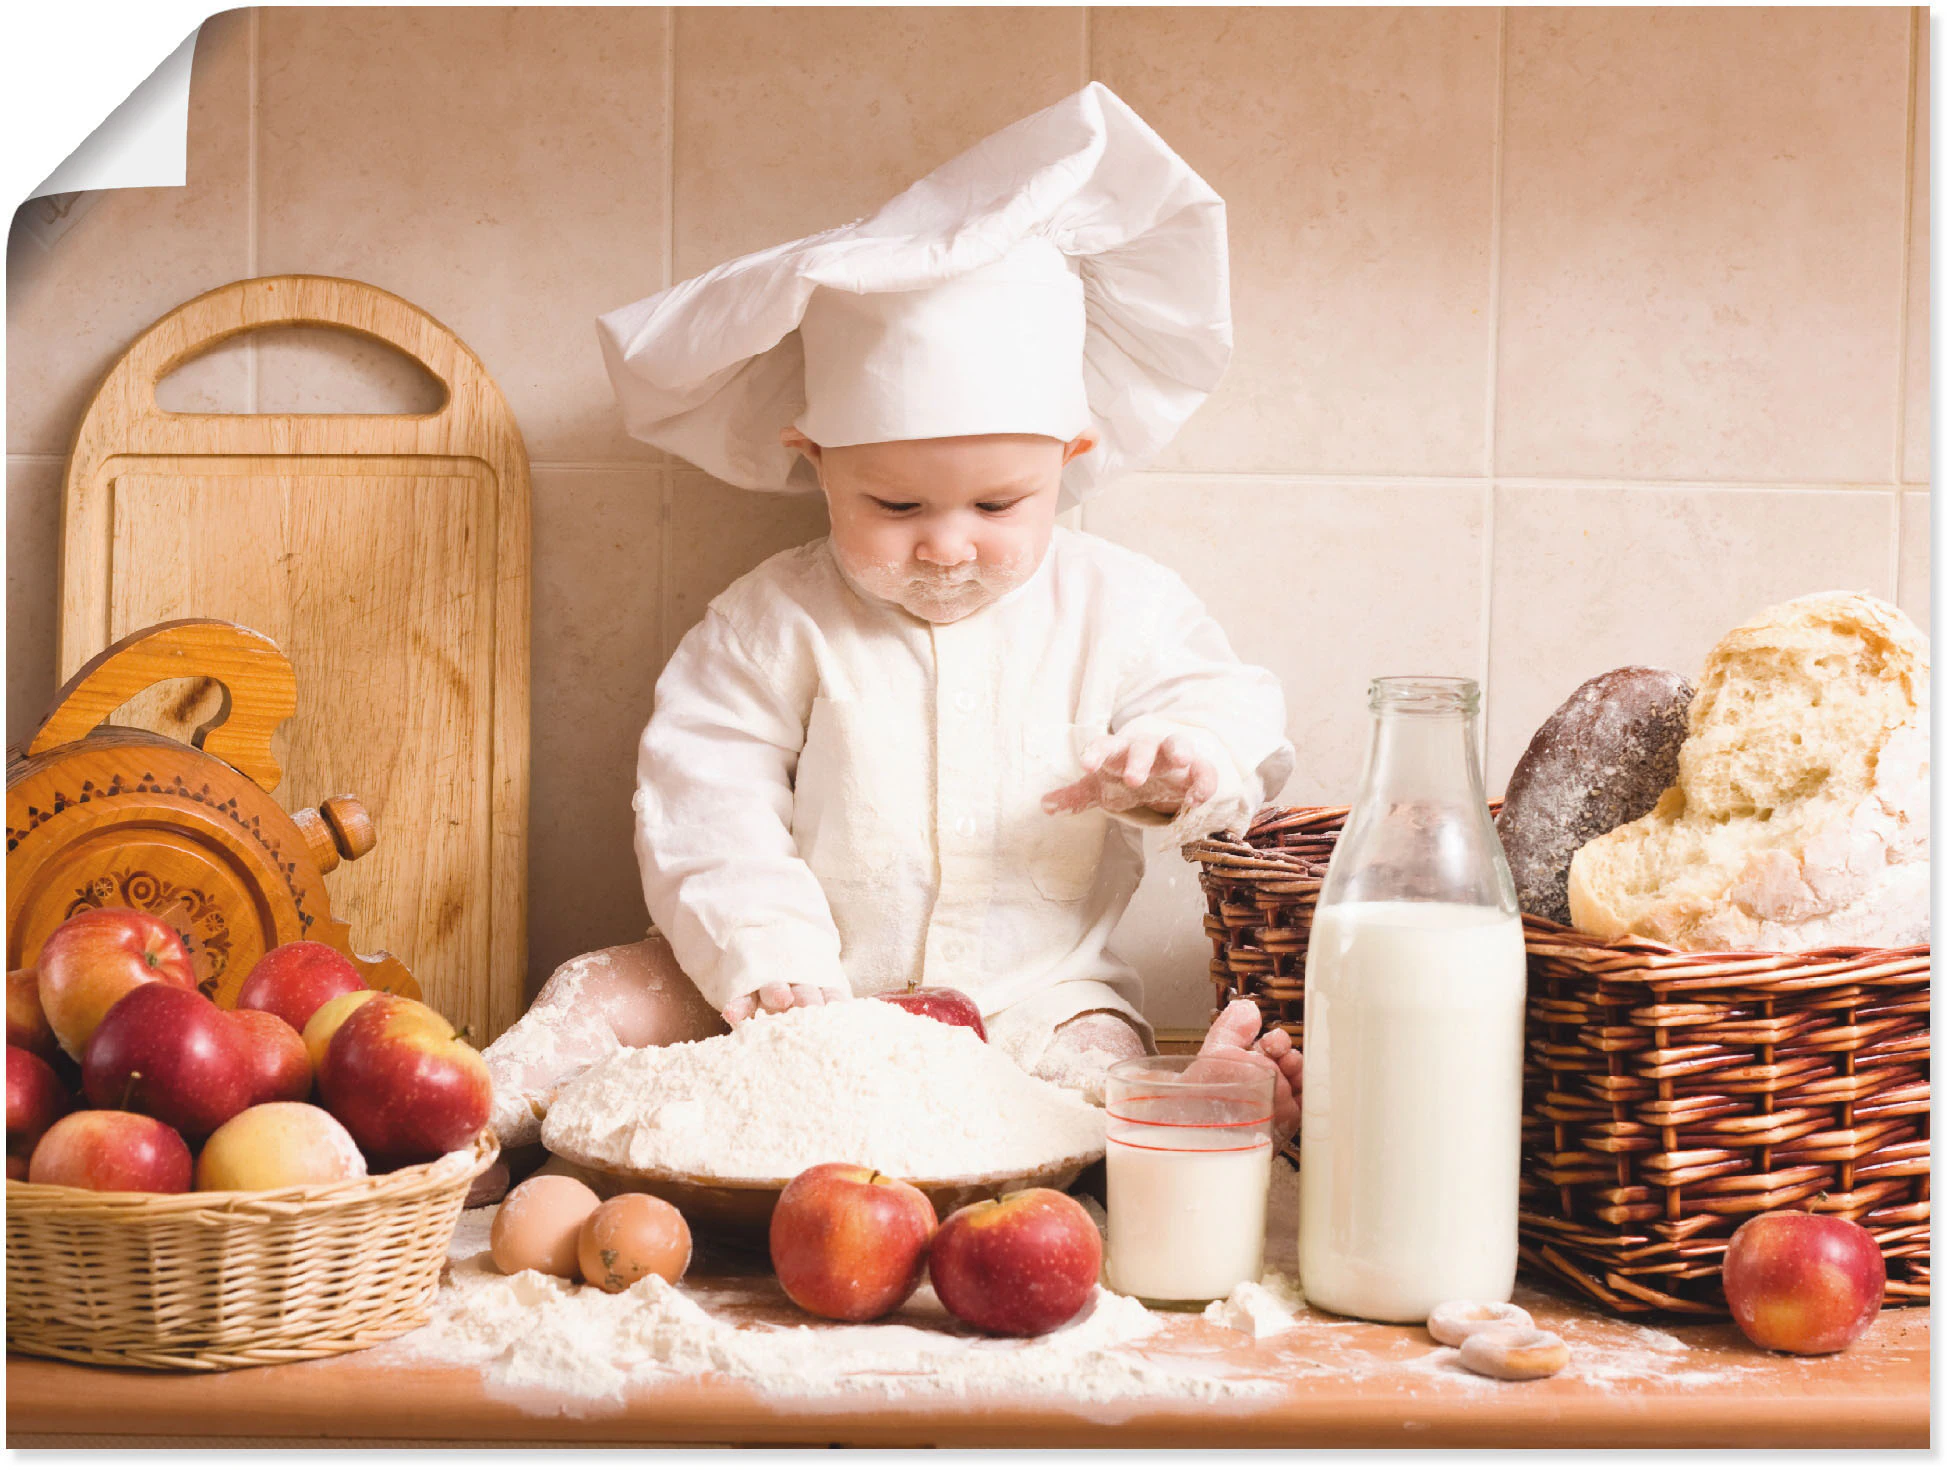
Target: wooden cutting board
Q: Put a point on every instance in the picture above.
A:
(388, 556)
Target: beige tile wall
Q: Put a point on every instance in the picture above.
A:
(1564, 337)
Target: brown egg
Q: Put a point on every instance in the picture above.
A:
(633, 1236)
(539, 1223)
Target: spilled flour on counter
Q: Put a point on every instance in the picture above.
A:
(541, 1339)
(1616, 1357)
(557, 1348)
(860, 1081)
(1608, 1354)
(1262, 1307)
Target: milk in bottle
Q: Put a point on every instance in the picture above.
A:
(1410, 1137)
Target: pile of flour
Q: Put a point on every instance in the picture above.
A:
(860, 1082)
(1262, 1308)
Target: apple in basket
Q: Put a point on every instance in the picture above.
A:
(111, 1150)
(96, 958)
(849, 1242)
(35, 1098)
(402, 1080)
(279, 1065)
(1022, 1264)
(1799, 1283)
(293, 980)
(326, 1020)
(276, 1145)
(173, 1055)
(941, 1003)
(27, 1026)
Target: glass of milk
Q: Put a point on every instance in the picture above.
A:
(1415, 986)
(1189, 1167)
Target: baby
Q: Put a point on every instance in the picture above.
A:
(926, 751)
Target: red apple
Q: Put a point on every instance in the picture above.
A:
(1022, 1264)
(293, 980)
(96, 958)
(16, 1167)
(277, 1058)
(401, 1079)
(941, 1003)
(27, 1026)
(1799, 1283)
(35, 1098)
(111, 1151)
(173, 1055)
(849, 1242)
(326, 1020)
(276, 1145)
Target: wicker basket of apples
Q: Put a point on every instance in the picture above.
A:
(175, 1197)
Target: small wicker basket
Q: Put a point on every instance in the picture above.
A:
(1668, 1096)
(230, 1280)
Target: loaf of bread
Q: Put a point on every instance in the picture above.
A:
(1799, 816)
(1602, 759)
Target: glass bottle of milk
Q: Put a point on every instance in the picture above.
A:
(1415, 981)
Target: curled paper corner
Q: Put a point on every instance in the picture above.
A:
(142, 144)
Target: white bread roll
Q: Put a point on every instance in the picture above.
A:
(1799, 818)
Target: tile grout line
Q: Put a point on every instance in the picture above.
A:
(1489, 490)
(665, 470)
(1081, 511)
(669, 146)
(665, 524)
(592, 466)
(1303, 481)
(1088, 75)
(1538, 482)
(250, 203)
(1904, 333)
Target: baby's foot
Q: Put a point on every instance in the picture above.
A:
(535, 1058)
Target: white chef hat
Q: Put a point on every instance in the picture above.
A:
(1067, 274)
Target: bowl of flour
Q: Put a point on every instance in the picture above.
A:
(719, 1127)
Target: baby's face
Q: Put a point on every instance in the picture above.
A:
(943, 527)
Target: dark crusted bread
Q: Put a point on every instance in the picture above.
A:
(1599, 761)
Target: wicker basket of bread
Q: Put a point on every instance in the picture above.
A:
(1728, 955)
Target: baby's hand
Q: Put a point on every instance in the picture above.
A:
(1125, 772)
(1234, 1036)
(779, 997)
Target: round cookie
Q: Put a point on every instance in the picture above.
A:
(1454, 1322)
(1513, 1354)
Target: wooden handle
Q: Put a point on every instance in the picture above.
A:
(338, 828)
(259, 689)
(298, 301)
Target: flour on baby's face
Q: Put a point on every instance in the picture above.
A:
(941, 594)
(943, 527)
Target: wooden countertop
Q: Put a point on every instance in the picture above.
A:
(1328, 1382)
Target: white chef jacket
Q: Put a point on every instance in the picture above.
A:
(833, 792)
